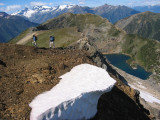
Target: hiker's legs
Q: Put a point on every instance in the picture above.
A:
(51, 44)
(34, 43)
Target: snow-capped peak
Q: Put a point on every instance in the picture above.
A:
(62, 7)
(41, 9)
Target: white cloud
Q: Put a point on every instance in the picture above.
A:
(10, 8)
(152, 2)
(68, 3)
(143, 2)
(37, 3)
(50, 4)
(81, 2)
(1, 4)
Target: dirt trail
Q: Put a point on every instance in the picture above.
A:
(29, 36)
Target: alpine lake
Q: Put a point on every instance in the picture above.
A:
(120, 61)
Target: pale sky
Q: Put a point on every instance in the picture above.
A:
(11, 6)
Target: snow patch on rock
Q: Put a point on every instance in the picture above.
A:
(75, 97)
(146, 96)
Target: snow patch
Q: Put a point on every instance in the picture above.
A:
(46, 7)
(139, 83)
(141, 86)
(146, 96)
(62, 7)
(29, 13)
(149, 98)
(16, 13)
(75, 97)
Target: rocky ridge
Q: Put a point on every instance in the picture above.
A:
(26, 72)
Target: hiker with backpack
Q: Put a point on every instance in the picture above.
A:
(51, 43)
(34, 40)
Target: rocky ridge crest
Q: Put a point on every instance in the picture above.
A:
(26, 72)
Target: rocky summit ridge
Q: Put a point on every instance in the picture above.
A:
(26, 72)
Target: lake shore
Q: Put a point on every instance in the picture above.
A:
(120, 61)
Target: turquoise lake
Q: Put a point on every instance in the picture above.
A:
(119, 60)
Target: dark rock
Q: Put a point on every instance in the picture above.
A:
(3, 64)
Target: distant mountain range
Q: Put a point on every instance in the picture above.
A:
(40, 14)
(11, 26)
(145, 24)
(155, 8)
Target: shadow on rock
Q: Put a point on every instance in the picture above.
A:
(116, 105)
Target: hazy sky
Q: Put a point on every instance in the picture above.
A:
(14, 5)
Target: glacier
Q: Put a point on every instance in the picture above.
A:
(75, 96)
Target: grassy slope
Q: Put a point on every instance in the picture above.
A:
(143, 51)
(65, 31)
(72, 20)
(144, 24)
(63, 37)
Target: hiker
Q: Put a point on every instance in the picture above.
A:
(51, 43)
(34, 40)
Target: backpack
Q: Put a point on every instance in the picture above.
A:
(52, 38)
(34, 38)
